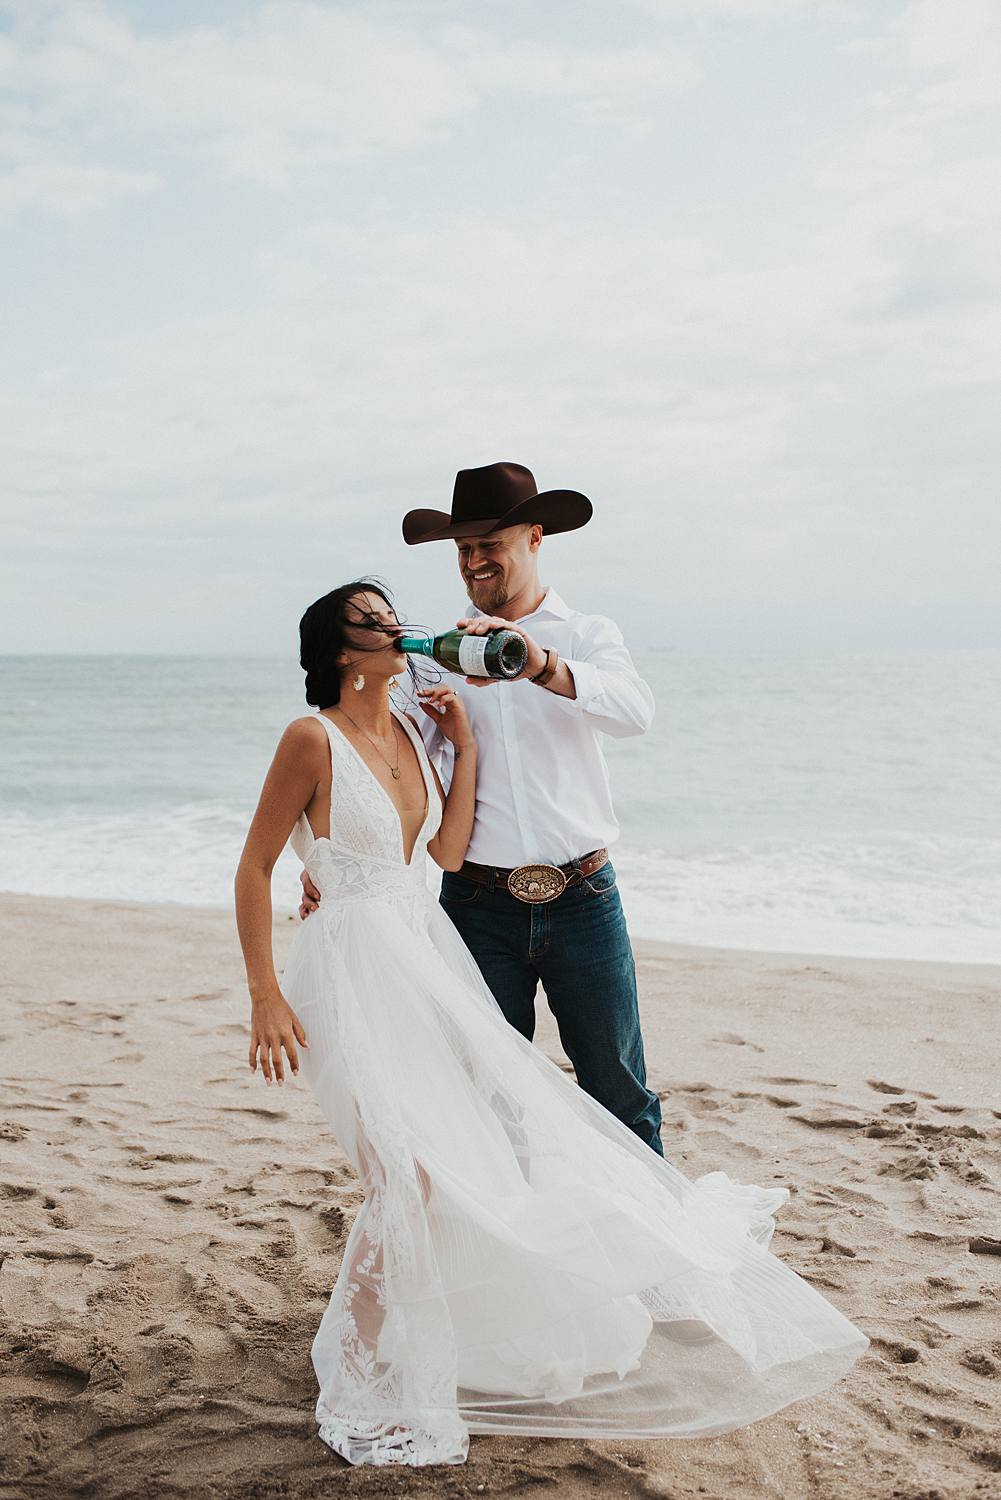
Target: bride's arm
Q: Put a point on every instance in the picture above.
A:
(449, 845)
(300, 765)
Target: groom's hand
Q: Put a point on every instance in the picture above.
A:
(310, 896)
(482, 625)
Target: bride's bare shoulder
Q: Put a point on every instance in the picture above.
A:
(308, 727)
(305, 737)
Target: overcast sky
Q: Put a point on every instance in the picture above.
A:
(272, 272)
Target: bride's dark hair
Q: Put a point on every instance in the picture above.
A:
(323, 636)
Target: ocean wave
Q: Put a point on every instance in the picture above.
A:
(186, 854)
(891, 895)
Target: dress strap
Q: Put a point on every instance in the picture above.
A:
(333, 733)
(416, 738)
(420, 749)
(337, 745)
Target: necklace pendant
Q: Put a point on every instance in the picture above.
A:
(396, 774)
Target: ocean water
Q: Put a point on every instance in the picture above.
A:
(843, 803)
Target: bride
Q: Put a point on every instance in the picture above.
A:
(521, 1262)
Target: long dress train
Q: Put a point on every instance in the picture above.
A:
(522, 1263)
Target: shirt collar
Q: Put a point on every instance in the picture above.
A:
(552, 606)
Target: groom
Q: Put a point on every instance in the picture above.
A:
(536, 899)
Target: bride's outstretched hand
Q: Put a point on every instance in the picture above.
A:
(274, 1028)
(445, 708)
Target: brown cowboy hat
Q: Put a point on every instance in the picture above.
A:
(497, 495)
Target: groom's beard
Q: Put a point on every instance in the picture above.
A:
(488, 596)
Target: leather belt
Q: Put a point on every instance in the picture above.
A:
(535, 883)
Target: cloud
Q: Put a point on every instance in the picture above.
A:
(290, 88)
(961, 44)
(751, 306)
(916, 174)
(687, 365)
(67, 188)
(613, 87)
(761, 12)
(285, 86)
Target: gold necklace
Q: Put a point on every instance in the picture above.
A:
(395, 770)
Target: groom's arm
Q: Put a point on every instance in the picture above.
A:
(608, 690)
(597, 681)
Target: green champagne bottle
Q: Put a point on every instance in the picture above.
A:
(502, 653)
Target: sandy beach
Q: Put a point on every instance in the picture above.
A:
(170, 1228)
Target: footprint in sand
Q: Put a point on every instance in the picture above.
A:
(830, 1246)
(258, 1111)
(882, 1087)
(17, 1192)
(223, 1028)
(984, 1359)
(333, 1220)
(702, 1104)
(777, 1101)
(948, 1132)
(926, 1146)
(92, 1083)
(911, 1164)
(168, 1188)
(879, 1130)
(314, 1179)
(936, 1237)
(831, 1117)
(731, 1039)
(44, 1375)
(178, 1158)
(816, 1083)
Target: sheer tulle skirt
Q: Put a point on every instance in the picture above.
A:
(522, 1262)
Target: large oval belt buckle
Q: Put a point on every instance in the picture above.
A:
(534, 883)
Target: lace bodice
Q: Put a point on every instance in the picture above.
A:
(362, 860)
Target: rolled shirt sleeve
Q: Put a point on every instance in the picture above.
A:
(611, 694)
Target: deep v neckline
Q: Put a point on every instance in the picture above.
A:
(396, 811)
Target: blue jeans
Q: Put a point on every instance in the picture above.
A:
(578, 947)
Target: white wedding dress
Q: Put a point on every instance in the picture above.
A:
(522, 1263)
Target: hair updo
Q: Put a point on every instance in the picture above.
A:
(323, 636)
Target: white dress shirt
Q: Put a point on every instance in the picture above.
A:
(542, 788)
